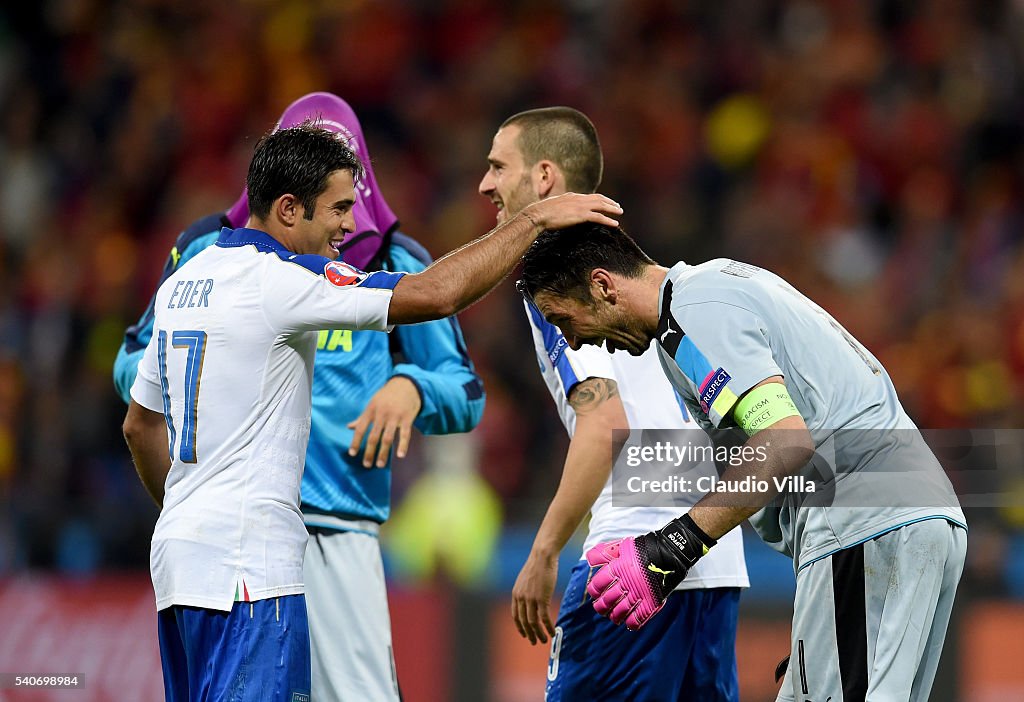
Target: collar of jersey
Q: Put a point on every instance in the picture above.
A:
(251, 237)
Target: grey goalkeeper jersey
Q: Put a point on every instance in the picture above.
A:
(725, 326)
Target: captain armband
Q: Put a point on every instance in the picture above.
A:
(764, 406)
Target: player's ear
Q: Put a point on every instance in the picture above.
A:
(603, 287)
(287, 209)
(547, 179)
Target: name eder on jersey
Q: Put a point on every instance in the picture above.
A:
(196, 293)
(191, 293)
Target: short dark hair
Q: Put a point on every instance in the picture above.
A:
(566, 137)
(560, 262)
(298, 160)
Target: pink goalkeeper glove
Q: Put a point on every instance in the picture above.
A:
(636, 574)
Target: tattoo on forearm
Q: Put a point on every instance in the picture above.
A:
(591, 393)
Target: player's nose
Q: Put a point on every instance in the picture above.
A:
(486, 186)
(348, 222)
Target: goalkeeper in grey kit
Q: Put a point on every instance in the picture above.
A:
(746, 351)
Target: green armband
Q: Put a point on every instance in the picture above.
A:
(764, 406)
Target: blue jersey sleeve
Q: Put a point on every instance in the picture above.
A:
(435, 358)
(195, 238)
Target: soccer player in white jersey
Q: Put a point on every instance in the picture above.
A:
(834, 473)
(421, 376)
(220, 410)
(690, 653)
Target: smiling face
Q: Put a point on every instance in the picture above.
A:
(508, 182)
(600, 321)
(332, 218)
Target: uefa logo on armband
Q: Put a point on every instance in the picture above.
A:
(342, 274)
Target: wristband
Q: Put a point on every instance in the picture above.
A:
(689, 540)
(764, 406)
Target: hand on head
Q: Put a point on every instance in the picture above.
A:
(572, 208)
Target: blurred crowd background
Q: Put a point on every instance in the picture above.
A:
(868, 151)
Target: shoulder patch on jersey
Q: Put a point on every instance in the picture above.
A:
(712, 387)
(555, 348)
(341, 274)
(554, 343)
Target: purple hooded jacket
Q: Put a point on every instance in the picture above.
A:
(374, 219)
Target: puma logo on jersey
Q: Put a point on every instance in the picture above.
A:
(670, 338)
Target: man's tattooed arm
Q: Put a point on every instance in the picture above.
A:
(599, 412)
(592, 393)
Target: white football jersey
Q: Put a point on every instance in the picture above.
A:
(650, 403)
(230, 366)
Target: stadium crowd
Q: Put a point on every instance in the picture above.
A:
(869, 152)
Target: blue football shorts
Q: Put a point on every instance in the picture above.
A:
(687, 651)
(257, 651)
